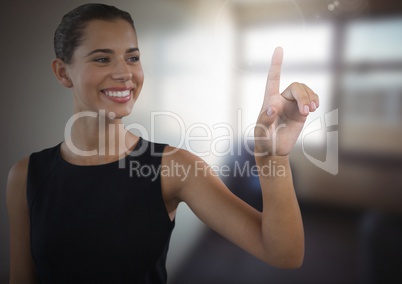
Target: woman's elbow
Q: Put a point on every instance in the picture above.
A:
(293, 260)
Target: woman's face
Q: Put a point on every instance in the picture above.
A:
(105, 70)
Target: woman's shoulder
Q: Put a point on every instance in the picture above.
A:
(180, 155)
(17, 178)
(19, 169)
(18, 174)
(182, 166)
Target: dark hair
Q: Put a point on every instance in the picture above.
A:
(69, 33)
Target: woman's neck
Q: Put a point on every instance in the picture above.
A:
(97, 140)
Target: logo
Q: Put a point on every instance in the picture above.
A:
(330, 164)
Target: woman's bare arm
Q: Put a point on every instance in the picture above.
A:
(21, 264)
(274, 235)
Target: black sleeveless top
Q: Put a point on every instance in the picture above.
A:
(99, 224)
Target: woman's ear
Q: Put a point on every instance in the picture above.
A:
(60, 70)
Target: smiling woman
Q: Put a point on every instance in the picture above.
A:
(111, 74)
(88, 219)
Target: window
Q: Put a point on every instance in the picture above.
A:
(372, 86)
(307, 59)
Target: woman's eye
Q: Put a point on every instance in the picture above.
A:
(134, 59)
(102, 60)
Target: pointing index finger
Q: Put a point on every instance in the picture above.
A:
(274, 74)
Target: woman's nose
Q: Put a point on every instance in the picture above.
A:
(122, 71)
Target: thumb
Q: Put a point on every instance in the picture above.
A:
(267, 116)
(270, 111)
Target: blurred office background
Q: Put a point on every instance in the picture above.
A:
(205, 65)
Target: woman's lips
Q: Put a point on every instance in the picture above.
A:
(118, 96)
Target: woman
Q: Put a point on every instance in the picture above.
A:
(79, 213)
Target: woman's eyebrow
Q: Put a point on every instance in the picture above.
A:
(134, 49)
(110, 51)
(101, 50)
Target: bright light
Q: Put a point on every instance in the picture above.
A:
(302, 43)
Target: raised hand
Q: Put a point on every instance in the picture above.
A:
(282, 115)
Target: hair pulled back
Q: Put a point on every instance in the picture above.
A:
(69, 33)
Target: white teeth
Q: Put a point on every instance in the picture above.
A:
(118, 94)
